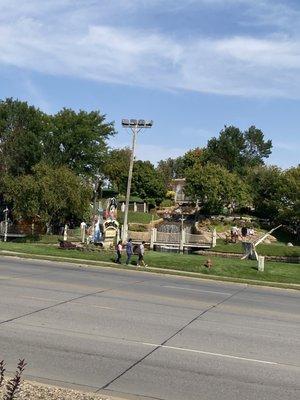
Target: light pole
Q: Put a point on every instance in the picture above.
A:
(136, 125)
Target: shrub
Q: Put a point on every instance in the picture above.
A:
(13, 385)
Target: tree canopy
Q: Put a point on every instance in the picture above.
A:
(51, 193)
(216, 188)
(78, 140)
(236, 150)
(22, 129)
(116, 168)
(147, 182)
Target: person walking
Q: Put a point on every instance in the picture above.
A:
(129, 251)
(141, 251)
(119, 252)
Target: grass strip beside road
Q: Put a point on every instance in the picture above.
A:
(222, 267)
(275, 249)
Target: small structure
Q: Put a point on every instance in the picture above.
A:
(135, 204)
(110, 232)
(178, 186)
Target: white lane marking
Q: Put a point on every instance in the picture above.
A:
(195, 290)
(94, 305)
(211, 354)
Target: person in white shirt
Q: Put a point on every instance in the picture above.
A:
(119, 252)
(141, 251)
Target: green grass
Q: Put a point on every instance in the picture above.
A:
(222, 267)
(274, 249)
(138, 217)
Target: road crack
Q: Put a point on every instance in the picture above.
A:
(159, 346)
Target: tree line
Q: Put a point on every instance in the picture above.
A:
(51, 165)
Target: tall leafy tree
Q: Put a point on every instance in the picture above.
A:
(215, 188)
(177, 167)
(268, 189)
(290, 214)
(52, 193)
(147, 182)
(116, 168)
(78, 140)
(22, 128)
(236, 150)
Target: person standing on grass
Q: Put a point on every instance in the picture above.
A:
(129, 250)
(141, 251)
(119, 252)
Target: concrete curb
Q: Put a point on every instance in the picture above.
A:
(165, 271)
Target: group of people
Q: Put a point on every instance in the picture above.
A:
(130, 252)
(244, 232)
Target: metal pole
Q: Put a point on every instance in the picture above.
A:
(125, 230)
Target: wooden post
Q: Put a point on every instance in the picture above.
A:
(153, 238)
(261, 263)
(66, 232)
(182, 240)
(214, 238)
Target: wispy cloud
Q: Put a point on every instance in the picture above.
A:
(65, 38)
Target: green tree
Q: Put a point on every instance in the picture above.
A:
(78, 141)
(22, 128)
(236, 150)
(216, 188)
(177, 167)
(167, 170)
(147, 183)
(116, 168)
(267, 185)
(52, 193)
(290, 212)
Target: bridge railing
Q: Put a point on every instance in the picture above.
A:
(164, 237)
(179, 239)
(191, 238)
(139, 236)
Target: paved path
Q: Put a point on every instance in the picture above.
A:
(136, 334)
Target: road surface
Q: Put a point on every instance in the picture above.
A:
(148, 336)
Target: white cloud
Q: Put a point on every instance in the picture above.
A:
(63, 38)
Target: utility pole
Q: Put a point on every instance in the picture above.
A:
(136, 126)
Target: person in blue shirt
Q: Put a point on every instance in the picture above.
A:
(129, 251)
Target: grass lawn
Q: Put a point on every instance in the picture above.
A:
(137, 217)
(274, 249)
(235, 268)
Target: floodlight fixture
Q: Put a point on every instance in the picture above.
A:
(148, 124)
(136, 123)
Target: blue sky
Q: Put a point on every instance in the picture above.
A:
(192, 66)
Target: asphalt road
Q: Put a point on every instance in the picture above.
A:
(128, 333)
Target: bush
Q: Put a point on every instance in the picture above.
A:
(167, 203)
(13, 385)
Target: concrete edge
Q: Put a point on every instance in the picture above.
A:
(164, 271)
